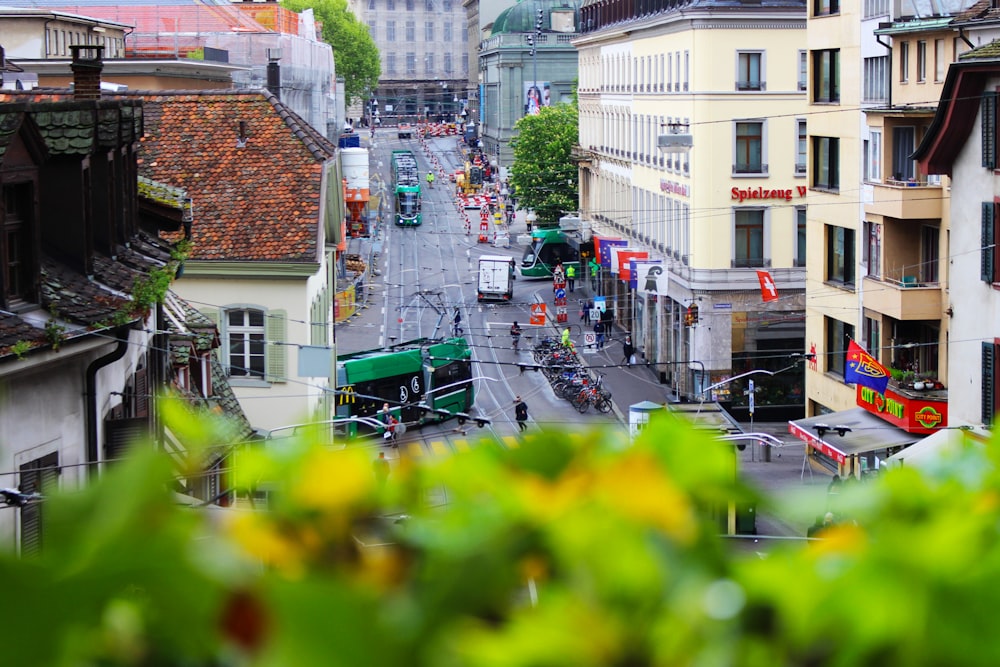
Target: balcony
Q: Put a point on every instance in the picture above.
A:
(906, 200)
(906, 299)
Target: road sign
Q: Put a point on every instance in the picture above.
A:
(560, 293)
(537, 315)
(750, 391)
(589, 342)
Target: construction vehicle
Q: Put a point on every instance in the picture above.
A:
(469, 181)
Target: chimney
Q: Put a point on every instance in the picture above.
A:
(87, 65)
(274, 72)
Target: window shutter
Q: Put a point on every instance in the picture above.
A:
(989, 382)
(987, 252)
(121, 434)
(38, 476)
(277, 326)
(989, 118)
(141, 392)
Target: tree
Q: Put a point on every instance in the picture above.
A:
(354, 50)
(544, 174)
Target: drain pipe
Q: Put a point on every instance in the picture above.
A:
(878, 38)
(121, 335)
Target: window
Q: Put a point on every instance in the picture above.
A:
(410, 5)
(875, 8)
(940, 64)
(429, 6)
(826, 7)
(748, 239)
(670, 71)
(989, 266)
(803, 69)
(16, 249)
(876, 79)
(447, 32)
(38, 476)
(687, 68)
(840, 255)
(800, 148)
(800, 236)
(873, 156)
(872, 253)
(904, 62)
(921, 61)
(903, 144)
(988, 109)
(255, 344)
(390, 5)
(411, 63)
(390, 31)
(990, 381)
(748, 70)
(447, 63)
(838, 338)
(247, 342)
(411, 31)
(429, 31)
(749, 147)
(826, 163)
(429, 63)
(873, 338)
(448, 6)
(390, 63)
(826, 76)
(371, 4)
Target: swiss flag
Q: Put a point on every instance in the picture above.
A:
(768, 291)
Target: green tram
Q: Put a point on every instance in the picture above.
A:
(405, 189)
(422, 380)
(549, 246)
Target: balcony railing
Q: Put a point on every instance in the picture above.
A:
(751, 263)
(751, 85)
(750, 169)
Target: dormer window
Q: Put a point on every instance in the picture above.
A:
(16, 247)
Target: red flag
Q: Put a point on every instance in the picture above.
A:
(768, 290)
(863, 369)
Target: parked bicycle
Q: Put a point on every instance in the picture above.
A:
(593, 394)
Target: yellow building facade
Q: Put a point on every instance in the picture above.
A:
(731, 83)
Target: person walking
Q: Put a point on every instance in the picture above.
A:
(571, 277)
(599, 330)
(457, 323)
(585, 312)
(594, 268)
(521, 414)
(628, 350)
(515, 334)
(381, 467)
(566, 342)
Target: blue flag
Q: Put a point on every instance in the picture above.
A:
(863, 369)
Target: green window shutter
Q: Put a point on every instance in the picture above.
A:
(988, 239)
(989, 382)
(989, 134)
(277, 335)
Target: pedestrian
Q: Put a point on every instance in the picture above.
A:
(628, 350)
(381, 467)
(566, 342)
(585, 312)
(571, 277)
(599, 330)
(521, 414)
(457, 322)
(594, 268)
(393, 430)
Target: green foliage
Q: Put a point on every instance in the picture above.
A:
(55, 332)
(354, 51)
(574, 549)
(152, 288)
(544, 174)
(20, 348)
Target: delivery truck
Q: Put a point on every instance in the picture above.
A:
(496, 278)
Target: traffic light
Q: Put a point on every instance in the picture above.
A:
(531, 43)
(539, 19)
(691, 315)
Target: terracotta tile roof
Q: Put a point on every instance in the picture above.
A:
(258, 202)
(989, 51)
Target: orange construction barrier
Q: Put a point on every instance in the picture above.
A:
(537, 317)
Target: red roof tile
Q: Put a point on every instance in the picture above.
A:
(257, 202)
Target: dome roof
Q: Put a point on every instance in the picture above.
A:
(521, 17)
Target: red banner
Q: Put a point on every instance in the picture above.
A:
(768, 290)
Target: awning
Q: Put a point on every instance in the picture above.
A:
(931, 449)
(867, 433)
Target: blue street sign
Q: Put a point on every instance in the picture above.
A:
(560, 293)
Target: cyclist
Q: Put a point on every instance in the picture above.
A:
(515, 334)
(430, 179)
